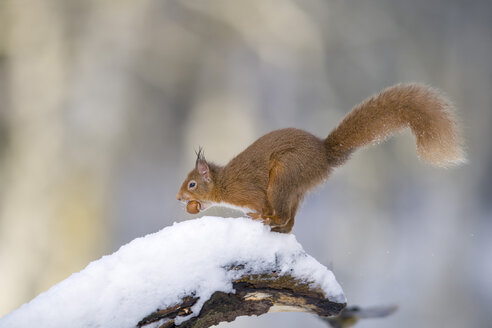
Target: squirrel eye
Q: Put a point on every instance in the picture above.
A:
(192, 184)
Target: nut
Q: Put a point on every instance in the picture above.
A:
(193, 207)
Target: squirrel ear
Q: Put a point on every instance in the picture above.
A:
(203, 169)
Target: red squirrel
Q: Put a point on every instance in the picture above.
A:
(268, 179)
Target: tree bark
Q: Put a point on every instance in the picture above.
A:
(253, 295)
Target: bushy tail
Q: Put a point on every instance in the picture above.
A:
(429, 115)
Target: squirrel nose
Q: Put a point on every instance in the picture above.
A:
(178, 197)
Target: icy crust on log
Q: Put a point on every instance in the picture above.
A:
(156, 271)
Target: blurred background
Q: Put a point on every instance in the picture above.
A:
(102, 104)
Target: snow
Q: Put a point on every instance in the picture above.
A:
(158, 270)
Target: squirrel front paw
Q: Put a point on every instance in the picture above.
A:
(257, 216)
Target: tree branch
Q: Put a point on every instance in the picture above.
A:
(254, 295)
(231, 268)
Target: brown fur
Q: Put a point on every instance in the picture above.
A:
(429, 115)
(272, 175)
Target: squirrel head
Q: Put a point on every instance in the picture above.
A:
(199, 183)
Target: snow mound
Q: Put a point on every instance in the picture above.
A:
(158, 270)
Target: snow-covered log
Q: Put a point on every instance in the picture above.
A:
(193, 274)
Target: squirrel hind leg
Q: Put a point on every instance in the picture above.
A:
(288, 224)
(282, 199)
(294, 205)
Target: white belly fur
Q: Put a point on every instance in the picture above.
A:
(245, 210)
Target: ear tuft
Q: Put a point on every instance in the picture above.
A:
(199, 155)
(202, 166)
